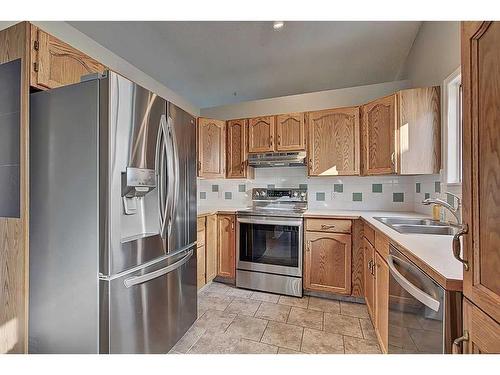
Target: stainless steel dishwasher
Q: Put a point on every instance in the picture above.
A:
(423, 316)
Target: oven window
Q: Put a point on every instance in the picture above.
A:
(269, 244)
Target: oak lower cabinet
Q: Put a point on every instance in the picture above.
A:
(226, 246)
(211, 247)
(290, 131)
(261, 132)
(327, 262)
(382, 301)
(237, 149)
(211, 147)
(206, 250)
(401, 133)
(369, 277)
(482, 332)
(55, 63)
(333, 142)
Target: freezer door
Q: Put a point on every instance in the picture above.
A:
(149, 309)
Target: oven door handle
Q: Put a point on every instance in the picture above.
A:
(417, 293)
(269, 222)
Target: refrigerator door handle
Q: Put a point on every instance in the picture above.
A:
(135, 280)
(164, 182)
(173, 172)
(417, 293)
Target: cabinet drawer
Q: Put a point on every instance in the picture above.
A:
(369, 233)
(382, 245)
(329, 225)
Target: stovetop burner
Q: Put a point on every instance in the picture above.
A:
(288, 202)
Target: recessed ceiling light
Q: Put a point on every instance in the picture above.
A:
(278, 25)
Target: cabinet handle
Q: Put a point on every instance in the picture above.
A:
(232, 224)
(279, 140)
(370, 264)
(458, 341)
(308, 247)
(393, 158)
(373, 268)
(271, 139)
(457, 248)
(327, 226)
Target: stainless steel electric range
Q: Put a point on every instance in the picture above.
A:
(269, 241)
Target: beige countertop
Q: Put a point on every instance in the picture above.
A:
(434, 251)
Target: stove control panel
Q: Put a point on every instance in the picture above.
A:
(299, 195)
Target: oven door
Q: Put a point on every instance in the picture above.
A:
(270, 244)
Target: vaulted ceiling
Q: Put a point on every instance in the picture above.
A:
(216, 63)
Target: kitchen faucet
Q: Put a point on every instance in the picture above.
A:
(454, 210)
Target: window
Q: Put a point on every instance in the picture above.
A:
(453, 128)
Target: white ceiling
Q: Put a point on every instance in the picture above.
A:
(216, 63)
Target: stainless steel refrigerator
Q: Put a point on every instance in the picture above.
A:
(112, 219)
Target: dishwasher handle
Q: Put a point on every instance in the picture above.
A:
(417, 293)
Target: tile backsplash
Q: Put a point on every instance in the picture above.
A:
(392, 193)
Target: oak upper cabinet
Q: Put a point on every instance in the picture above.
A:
(261, 134)
(226, 254)
(290, 131)
(482, 331)
(333, 142)
(55, 63)
(379, 136)
(419, 131)
(369, 277)
(401, 133)
(237, 149)
(481, 164)
(211, 148)
(327, 262)
(382, 301)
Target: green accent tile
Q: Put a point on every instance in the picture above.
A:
(215, 188)
(376, 188)
(242, 188)
(450, 199)
(303, 186)
(338, 188)
(203, 195)
(357, 197)
(320, 196)
(398, 197)
(228, 195)
(417, 187)
(437, 187)
(270, 186)
(427, 195)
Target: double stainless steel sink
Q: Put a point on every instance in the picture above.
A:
(418, 225)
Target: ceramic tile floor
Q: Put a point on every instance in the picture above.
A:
(239, 321)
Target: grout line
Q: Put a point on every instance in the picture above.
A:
(261, 336)
(301, 340)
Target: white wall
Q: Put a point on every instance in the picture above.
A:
(82, 42)
(305, 102)
(435, 54)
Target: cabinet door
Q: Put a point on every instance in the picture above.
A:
(55, 63)
(211, 148)
(261, 134)
(379, 136)
(327, 262)
(382, 300)
(419, 131)
(484, 332)
(237, 149)
(226, 264)
(200, 257)
(333, 142)
(290, 132)
(211, 248)
(481, 163)
(369, 277)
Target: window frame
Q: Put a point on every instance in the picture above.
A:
(452, 101)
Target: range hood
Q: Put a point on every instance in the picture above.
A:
(277, 159)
